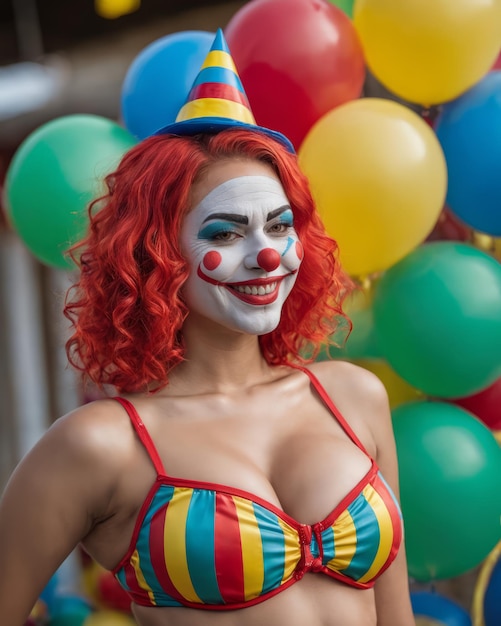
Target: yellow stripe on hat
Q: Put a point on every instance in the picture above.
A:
(252, 548)
(175, 543)
(219, 58)
(215, 107)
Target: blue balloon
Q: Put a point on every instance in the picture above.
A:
(159, 79)
(469, 131)
(441, 609)
(49, 592)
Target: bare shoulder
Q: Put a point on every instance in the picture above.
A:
(98, 432)
(89, 445)
(343, 379)
(93, 423)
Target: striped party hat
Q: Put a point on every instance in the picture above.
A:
(217, 100)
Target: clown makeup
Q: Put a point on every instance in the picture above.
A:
(243, 252)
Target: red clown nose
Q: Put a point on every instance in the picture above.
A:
(268, 259)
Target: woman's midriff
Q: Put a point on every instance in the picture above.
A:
(313, 601)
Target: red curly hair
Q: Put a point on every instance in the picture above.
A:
(127, 308)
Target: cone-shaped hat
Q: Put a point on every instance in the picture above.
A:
(217, 99)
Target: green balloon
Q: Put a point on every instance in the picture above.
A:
(344, 5)
(53, 176)
(437, 315)
(450, 488)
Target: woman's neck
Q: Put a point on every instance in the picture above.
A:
(217, 359)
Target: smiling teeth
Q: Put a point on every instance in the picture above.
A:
(262, 290)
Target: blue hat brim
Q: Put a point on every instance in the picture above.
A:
(213, 125)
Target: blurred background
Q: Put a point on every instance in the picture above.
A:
(56, 59)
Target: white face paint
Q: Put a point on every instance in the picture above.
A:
(243, 252)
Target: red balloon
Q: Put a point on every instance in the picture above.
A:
(486, 405)
(297, 60)
(111, 594)
(449, 228)
(497, 63)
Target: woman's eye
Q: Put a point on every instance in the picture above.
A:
(280, 228)
(226, 235)
(218, 231)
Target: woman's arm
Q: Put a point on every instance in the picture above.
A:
(52, 500)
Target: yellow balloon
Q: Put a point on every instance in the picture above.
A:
(89, 575)
(429, 51)
(112, 9)
(378, 175)
(482, 584)
(109, 618)
(489, 244)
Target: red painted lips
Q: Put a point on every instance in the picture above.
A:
(260, 291)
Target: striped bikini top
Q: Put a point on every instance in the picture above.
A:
(207, 546)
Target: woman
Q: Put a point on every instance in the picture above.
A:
(228, 482)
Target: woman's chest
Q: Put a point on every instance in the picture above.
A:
(291, 454)
(283, 447)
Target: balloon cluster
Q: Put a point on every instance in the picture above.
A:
(407, 197)
(421, 236)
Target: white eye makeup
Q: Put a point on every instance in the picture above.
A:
(244, 253)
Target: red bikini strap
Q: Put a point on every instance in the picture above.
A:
(332, 407)
(143, 434)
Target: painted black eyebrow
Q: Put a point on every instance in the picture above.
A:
(230, 217)
(278, 211)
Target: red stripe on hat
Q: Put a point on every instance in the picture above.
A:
(156, 547)
(222, 91)
(228, 548)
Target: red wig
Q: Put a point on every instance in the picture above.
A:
(127, 308)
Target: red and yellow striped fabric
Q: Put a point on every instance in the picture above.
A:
(204, 545)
